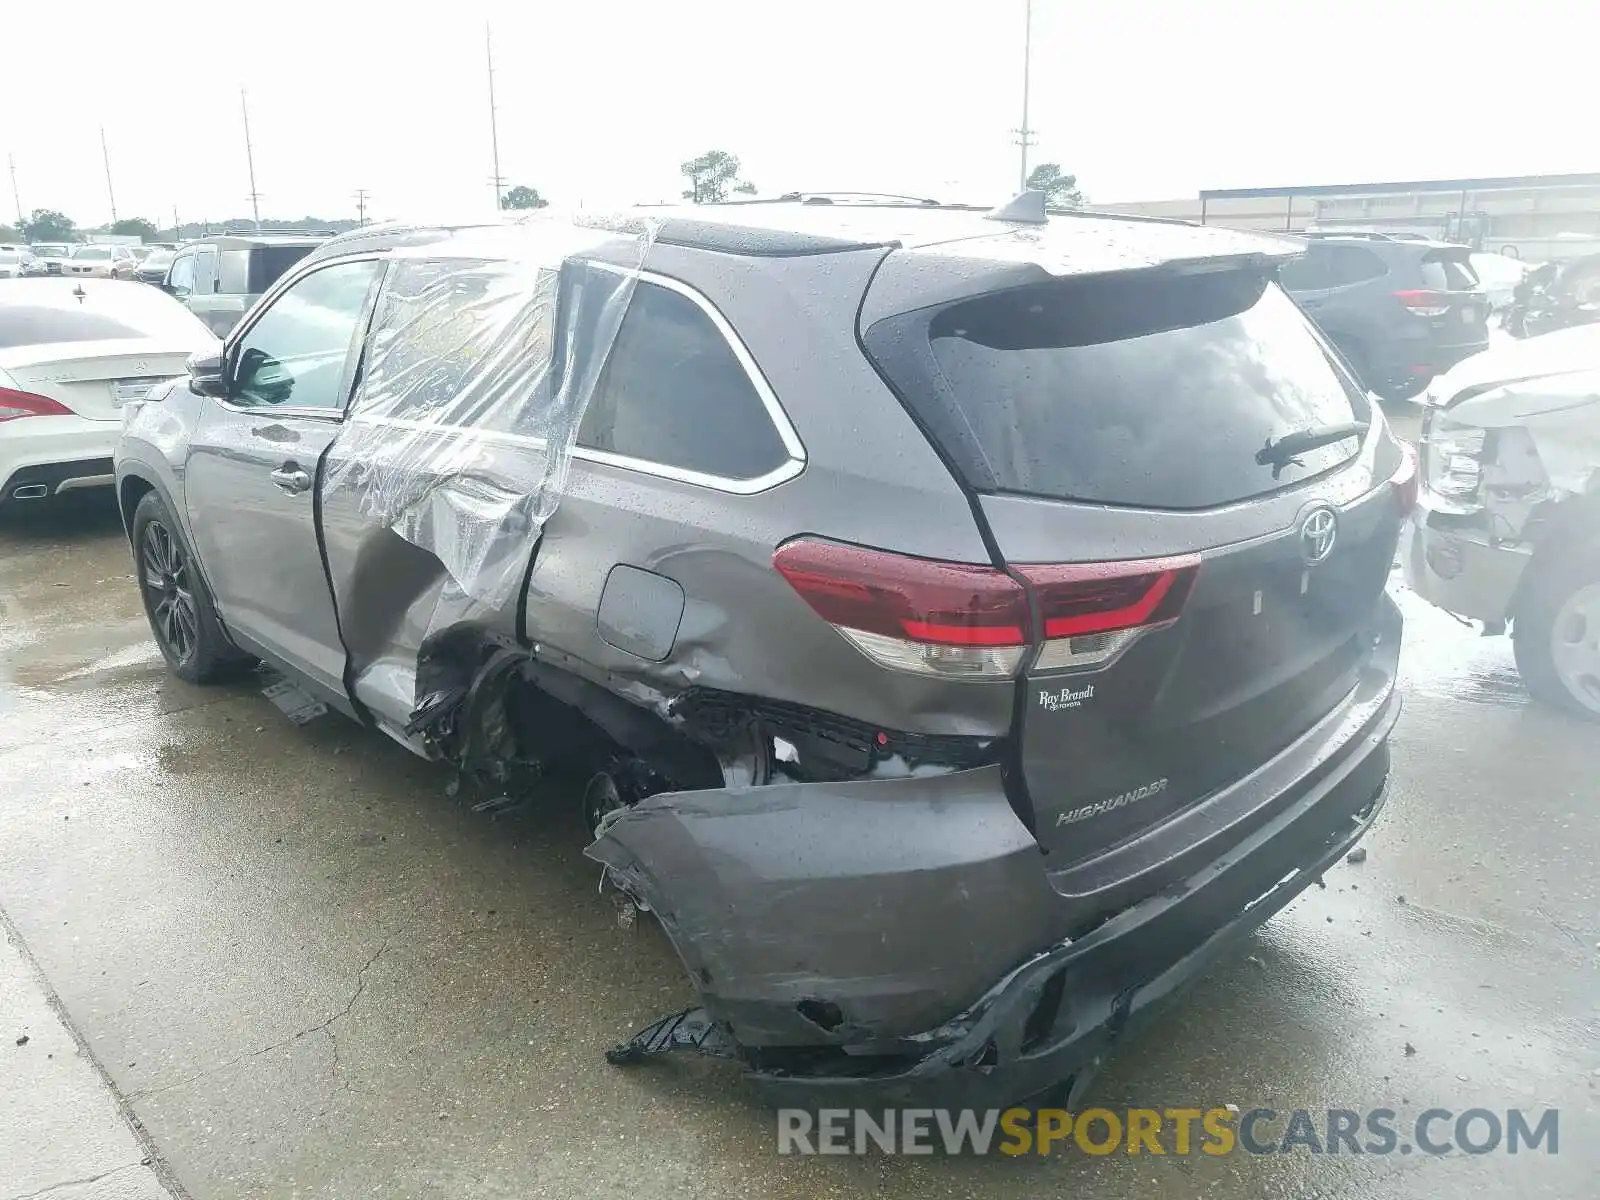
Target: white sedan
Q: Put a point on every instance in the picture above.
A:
(72, 353)
(101, 262)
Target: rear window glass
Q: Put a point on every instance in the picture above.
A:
(1449, 274)
(141, 312)
(1151, 390)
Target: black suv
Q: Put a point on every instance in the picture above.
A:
(1400, 310)
(220, 277)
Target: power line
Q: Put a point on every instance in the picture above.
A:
(250, 161)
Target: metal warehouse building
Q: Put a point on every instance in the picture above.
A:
(1533, 216)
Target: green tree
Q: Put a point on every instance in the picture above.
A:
(47, 225)
(1060, 191)
(523, 197)
(10, 233)
(135, 227)
(712, 176)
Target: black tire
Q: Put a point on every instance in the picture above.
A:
(1406, 389)
(183, 620)
(1556, 632)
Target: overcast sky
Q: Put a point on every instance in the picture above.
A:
(601, 100)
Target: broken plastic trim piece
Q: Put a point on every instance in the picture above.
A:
(691, 1029)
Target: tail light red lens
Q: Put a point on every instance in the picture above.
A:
(965, 620)
(1092, 612)
(915, 614)
(14, 405)
(1424, 303)
(1405, 480)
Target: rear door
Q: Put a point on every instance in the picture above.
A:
(253, 465)
(1200, 604)
(1451, 298)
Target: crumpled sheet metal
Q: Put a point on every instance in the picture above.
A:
(461, 430)
(1561, 413)
(898, 901)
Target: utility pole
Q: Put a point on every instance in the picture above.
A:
(250, 161)
(105, 155)
(494, 132)
(1025, 134)
(177, 225)
(16, 195)
(361, 206)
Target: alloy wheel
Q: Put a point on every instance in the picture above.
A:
(1575, 645)
(164, 574)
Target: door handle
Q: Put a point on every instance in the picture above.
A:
(291, 479)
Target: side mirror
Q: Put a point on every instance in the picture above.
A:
(208, 375)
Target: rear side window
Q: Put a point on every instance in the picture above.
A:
(268, 263)
(1353, 264)
(233, 272)
(1449, 273)
(1148, 389)
(673, 392)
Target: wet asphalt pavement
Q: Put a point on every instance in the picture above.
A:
(307, 970)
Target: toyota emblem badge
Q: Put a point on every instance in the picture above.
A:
(1318, 532)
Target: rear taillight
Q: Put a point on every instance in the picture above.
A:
(1405, 480)
(936, 618)
(975, 622)
(15, 405)
(1092, 612)
(1424, 303)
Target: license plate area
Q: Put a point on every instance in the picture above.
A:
(125, 391)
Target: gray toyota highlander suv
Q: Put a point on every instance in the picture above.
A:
(961, 626)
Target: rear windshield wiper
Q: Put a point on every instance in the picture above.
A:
(1281, 453)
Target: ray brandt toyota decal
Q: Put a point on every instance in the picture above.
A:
(1055, 701)
(1112, 803)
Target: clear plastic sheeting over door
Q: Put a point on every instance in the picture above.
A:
(484, 352)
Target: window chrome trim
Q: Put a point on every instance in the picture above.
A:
(769, 401)
(782, 473)
(252, 318)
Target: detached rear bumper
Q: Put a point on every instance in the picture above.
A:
(901, 941)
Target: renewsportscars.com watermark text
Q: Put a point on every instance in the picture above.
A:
(1167, 1131)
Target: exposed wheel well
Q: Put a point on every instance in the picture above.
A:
(129, 492)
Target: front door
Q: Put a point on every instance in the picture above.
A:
(253, 467)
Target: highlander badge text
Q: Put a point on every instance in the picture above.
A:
(1114, 802)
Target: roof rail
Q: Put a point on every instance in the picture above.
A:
(1366, 235)
(838, 198)
(268, 231)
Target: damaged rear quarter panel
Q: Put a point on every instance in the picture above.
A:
(900, 901)
(1561, 414)
(869, 477)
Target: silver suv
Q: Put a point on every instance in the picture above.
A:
(963, 625)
